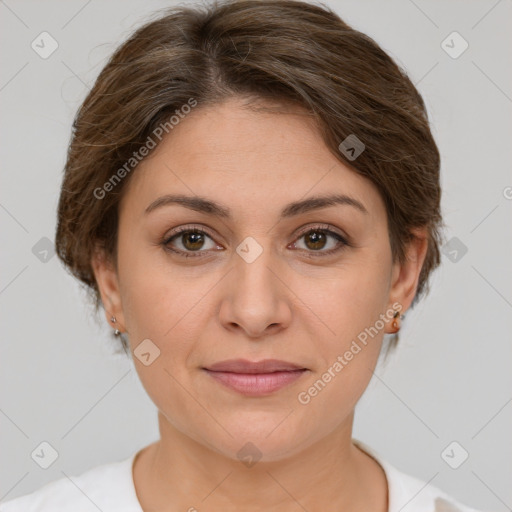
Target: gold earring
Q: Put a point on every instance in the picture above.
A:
(396, 321)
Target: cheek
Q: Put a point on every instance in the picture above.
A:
(159, 306)
(157, 298)
(347, 299)
(346, 311)
(347, 351)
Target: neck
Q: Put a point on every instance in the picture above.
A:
(179, 473)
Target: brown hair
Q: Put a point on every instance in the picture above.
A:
(279, 50)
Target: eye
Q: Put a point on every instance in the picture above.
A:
(316, 239)
(189, 240)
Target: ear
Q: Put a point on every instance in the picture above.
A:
(405, 276)
(107, 280)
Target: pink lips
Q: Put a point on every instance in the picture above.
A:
(255, 378)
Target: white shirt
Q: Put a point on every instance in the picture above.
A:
(110, 488)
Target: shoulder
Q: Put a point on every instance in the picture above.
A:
(108, 487)
(410, 494)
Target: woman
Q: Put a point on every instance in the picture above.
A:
(252, 195)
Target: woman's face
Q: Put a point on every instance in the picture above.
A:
(253, 284)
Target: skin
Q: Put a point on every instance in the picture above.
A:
(284, 305)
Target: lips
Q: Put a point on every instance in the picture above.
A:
(255, 378)
(245, 366)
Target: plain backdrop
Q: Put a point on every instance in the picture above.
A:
(450, 380)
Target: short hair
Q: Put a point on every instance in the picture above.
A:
(284, 51)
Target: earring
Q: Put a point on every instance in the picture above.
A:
(117, 332)
(396, 321)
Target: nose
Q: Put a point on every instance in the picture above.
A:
(255, 297)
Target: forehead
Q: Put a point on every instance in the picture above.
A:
(244, 155)
(234, 132)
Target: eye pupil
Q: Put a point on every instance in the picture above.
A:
(195, 238)
(317, 238)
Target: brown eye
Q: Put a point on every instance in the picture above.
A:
(322, 241)
(187, 241)
(315, 240)
(192, 240)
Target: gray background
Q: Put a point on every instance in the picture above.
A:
(61, 381)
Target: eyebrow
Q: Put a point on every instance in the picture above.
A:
(204, 205)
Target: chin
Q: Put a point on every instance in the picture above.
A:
(261, 437)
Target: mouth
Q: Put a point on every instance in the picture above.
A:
(255, 378)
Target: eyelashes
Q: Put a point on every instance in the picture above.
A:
(192, 236)
(340, 242)
(180, 234)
